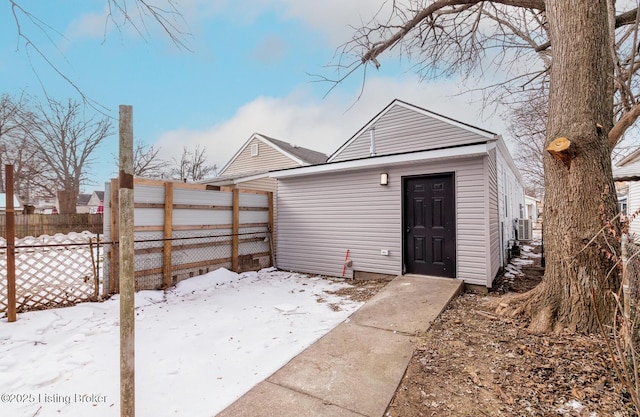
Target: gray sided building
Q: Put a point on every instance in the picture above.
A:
(411, 192)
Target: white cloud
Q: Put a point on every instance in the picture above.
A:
(92, 25)
(335, 18)
(322, 125)
(331, 18)
(270, 50)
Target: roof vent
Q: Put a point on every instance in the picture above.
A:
(372, 150)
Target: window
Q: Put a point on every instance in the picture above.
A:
(622, 207)
(254, 149)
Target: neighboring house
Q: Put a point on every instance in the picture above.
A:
(96, 202)
(82, 203)
(46, 206)
(17, 206)
(411, 192)
(628, 170)
(248, 168)
(531, 208)
(260, 154)
(531, 215)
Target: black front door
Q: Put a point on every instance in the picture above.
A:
(429, 225)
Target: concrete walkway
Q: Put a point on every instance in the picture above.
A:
(355, 369)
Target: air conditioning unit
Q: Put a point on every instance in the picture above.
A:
(525, 229)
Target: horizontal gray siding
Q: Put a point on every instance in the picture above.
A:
(406, 130)
(321, 216)
(267, 159)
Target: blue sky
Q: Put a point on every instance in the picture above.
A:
(248, 70)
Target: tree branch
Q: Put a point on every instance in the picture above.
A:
(621, 126)
(426, 13)
(627, 18)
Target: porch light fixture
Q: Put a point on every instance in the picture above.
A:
(384, 179)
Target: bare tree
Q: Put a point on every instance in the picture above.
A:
(527, 130)
(9, 123)
(147, 162)
(29, 182)
(587, 54)
(192, 165)
(66, 139)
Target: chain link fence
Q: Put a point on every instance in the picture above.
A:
(61, 270)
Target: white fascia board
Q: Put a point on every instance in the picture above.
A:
(251, 178)
(232, 181)
(632, 157)
(237, 154)
(627, 173)
(389, 160)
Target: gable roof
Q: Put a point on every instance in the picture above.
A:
(308, 156)
(628, 169)
(482, 133)
(83, 199)
(99, 194)
(302, 156)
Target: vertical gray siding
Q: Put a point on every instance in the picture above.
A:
(405, 130)
(267, 159)
(321, 216)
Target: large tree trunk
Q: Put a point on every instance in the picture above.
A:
(579, 189)
(67, 201)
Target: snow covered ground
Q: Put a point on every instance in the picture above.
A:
(199, 346)
(526, 258)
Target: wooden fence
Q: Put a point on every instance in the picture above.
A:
(50, 224)
(183, 230)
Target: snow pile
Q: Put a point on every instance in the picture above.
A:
(526, 258)
(199, 346)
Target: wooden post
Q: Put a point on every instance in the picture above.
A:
(127, 271)
(114, 253)
(235, 229)
(167, 281)
(11, 246)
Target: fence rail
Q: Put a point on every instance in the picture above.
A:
(50, 224)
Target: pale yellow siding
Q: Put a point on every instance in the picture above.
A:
(268, 159)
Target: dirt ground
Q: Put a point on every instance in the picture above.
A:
(472, 363)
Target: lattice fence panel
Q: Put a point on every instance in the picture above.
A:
(50, 271)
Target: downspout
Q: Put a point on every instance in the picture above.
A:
(372, 149)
